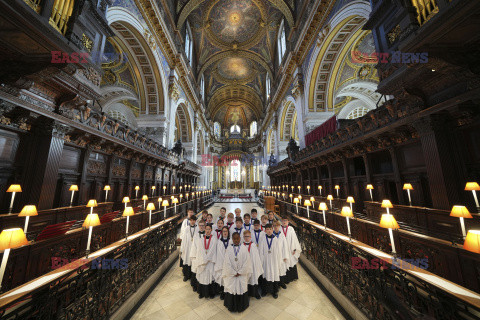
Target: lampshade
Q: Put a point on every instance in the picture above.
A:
(387, 204)
(329, 197)
(144, 197)
(291, 195)
(460, 211)
(181, 195)
(160, 199)
(308, 187)
(150, 206)
(171, 197)
(472, 186)
(312, 199)
(125, 200)
(300, 197)
(28, 211)
(164, 187)
(337, 187)
(128, 212)
(12, 238)
(369, 187)
(388, 221)
(73, 187)
(295, 200)
(137, 187)
(322, 206)
(14, 188)
(153, 187)
(472, 241)
(307, 203)
(407, 186)
(107, 187)
(174, 200)
(91, 220)
(319, 187)
(346, 212)
(350, 200)
(92, 203)
(165, 203)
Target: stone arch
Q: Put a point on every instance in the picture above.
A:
(116, 108)
(144, 58)
(271, 143)
(344, 29)
(288, 122)
(183, 123)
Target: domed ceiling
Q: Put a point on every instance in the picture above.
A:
(235, 46)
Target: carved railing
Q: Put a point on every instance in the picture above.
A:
(446, 259)
(81, 291)
(38, 258)
(392, 290)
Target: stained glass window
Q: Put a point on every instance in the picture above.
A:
(217, 129)
(253, 129)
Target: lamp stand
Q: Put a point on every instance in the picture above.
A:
(394, 252)
(89, 239)
(126, 231)
(165, 213)
(348, 227)
(462, 223)
(71, 199)
(106, 195)
(149, 219)
(476, 200)
(136, 194)
(324, 220)
(308, 213)
(296, 205)
(4, 265)
(13, 199)
(371, 195)
(26, 224)
(409, 197)
(175, 208)
(331, 206)
(338, 195)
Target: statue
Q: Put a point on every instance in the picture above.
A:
(292, 149)
(272, 162)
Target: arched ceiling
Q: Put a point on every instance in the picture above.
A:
(235, 47)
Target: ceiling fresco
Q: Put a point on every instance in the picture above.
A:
(235, 44)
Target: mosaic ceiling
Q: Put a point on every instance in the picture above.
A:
(235, 44)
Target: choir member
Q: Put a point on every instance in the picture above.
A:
(257, 269)
(271, 256)
(294, 249)
(271, 217)
(257, 233)
(238, 228)
(247, 222)
(197, 242)
(237, 268)
(205, 257)
(230, 221)
(204, 215)
(218, 231)
(238, 214)
(222, 245)
(184, 227)
(254, 215)
(186, 246)
(223, 215)
(209, 220)
(284, 265)
(264, 220)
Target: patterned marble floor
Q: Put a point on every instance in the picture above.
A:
(174, 299)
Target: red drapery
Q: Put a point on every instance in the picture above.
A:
(321, 131)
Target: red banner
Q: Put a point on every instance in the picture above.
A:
(321, 131)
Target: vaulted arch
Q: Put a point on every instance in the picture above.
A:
(183, 127)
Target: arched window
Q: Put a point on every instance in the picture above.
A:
(235, 128)
(235, 170)
(357, 113)
(253, 129)
(281, 42)
(189, 44)
(202, 87)
(217, 129)
(267, 86)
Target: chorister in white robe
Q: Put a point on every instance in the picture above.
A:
(284, 265)
(217, 233)
(233, 264)
(292, 244)
(240, 231)
(230, 226)
(222, 245)
(271, 257)
(197, 242)
(187, 244)
(205, 257)
(256, 236)
(249, 227)
(257, 268)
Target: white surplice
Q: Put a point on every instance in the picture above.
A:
(205, 257)
(236, 264)
(284, 265)
(256, 236)
(293, 244)
(257, 268)
(240, 231)
(271, 258)
(197, 242)
(187, 243)
(221, 250)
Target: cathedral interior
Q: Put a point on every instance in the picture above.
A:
(358, 120)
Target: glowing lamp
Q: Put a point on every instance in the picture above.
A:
(370, 188)
(351, 201)
(136, 191)
(307, 204)
(461, 212)
(27, 212)
(91, 204)
(408, 187)
(165, 205)
(90, 221)
(10, 239)
(388, 221)
(347, 213)
(72, 188)
(387, 204)
(323, 207)
(14, 188)
(150, 207)
(474, 187)
(472, 241)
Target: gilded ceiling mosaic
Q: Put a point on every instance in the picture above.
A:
(234, 47)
